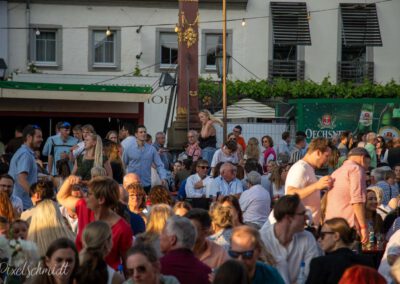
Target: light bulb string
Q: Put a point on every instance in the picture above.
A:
(199, 22)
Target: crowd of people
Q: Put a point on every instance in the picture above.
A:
(125, 209)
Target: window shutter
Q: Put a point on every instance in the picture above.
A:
(360, 25)
(290, 23)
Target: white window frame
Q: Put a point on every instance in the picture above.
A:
(163, 67)
(101, 66)
(211, 32)
(57, 30)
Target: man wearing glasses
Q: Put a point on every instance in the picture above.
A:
(246, 247)
(23, 168)
(291, 246)
(197, 184)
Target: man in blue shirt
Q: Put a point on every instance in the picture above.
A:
(139, 157)
(226, 183)
(60, 146)
(23, 168)
(246, 247)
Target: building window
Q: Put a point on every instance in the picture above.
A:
(105, 50)
(212, 45)
(168, 50)
(290, 32)
(46, 46)
(359, 34)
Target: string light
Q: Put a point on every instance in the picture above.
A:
(177, 28)
(108, 31)
(243, 22)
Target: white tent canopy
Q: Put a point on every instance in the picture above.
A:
(248, 108)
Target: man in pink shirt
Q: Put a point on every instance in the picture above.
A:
(347, 197)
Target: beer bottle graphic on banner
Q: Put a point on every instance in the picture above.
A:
(366, 119)
(386, 116)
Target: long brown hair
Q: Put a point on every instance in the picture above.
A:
(6, 208)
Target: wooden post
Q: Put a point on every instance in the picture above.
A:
(187, 97)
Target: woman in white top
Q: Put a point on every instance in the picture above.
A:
(97, 243)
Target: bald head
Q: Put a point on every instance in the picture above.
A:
(129, 179)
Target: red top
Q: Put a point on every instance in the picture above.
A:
(182, 264)
(240, 140)
(121, 234)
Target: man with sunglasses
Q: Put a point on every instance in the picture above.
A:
(291, 246)
(197, 183)
(246, 247)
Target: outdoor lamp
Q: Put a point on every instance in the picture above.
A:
(218, 63)
(3, 68)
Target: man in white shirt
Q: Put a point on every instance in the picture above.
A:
(301, 178)
(255, 202)
(227, 153)
(287, 240)
(196, 184)
(226, 183)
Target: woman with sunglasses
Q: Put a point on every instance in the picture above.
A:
(336, 238)
(381, 150)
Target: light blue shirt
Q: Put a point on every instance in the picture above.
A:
(23, 161)
(47, 146)
(224, 188)
(138, 160)
(56, 147)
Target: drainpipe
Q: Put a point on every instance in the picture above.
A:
(28, 23)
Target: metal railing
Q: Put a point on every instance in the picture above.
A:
(354, 71)
(287, 69)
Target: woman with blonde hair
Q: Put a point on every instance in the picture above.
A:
(47, 225)
(92, 157)
(97, 243)
(222, 224)
(252, 149)
(159, 215)
(208, 138)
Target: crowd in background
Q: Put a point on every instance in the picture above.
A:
(125, 208)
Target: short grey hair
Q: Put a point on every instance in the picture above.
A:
(378, 174)
(253, 178)
(160, 133)
(194, 132)
(184, 231)
(227, 166)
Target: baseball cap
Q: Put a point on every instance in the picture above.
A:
(65, 125)
(358, 151)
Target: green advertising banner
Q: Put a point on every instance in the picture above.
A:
(330, 117)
